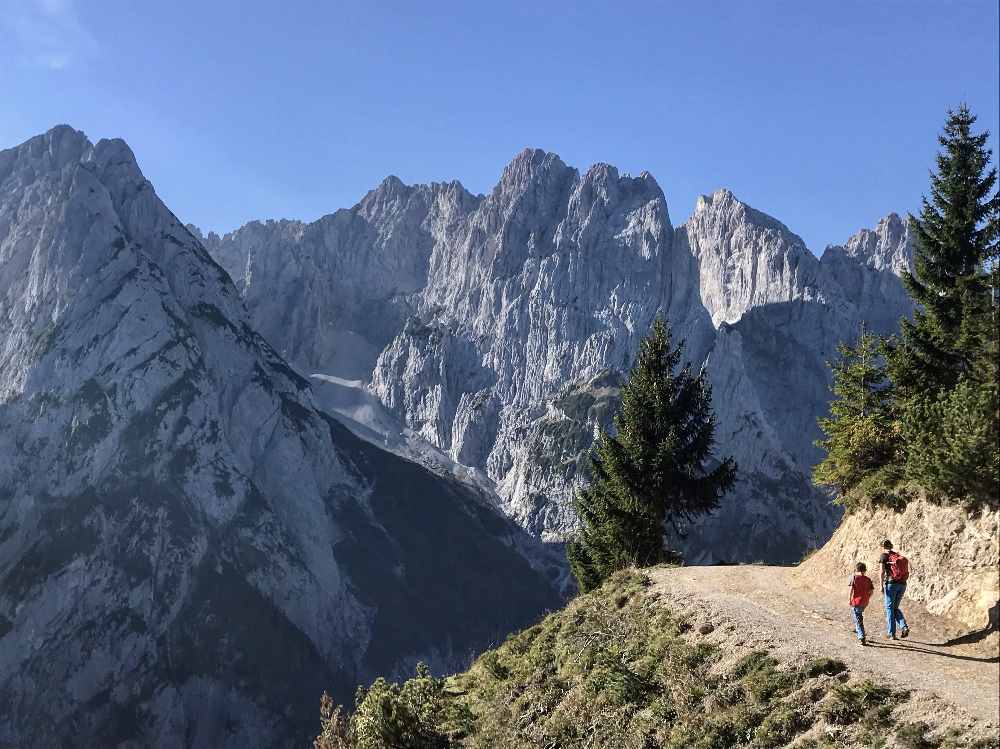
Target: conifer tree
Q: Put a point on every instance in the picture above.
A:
(653, 469)
(861, 432)
(944, 367)
(958, 240)
(953, 444)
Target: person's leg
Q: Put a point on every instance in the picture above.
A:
(890, 613)
(859, 622)
(900, 619)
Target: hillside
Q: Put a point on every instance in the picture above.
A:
(708, 657)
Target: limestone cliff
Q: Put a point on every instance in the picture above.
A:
(489, 327)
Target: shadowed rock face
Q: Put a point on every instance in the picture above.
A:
(525, 296)
(190, 551)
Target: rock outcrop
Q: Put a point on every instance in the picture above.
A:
(533, 296)
(190, 550)
(954, 557)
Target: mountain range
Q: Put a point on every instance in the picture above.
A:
(238, 471)
(191, 551)
(497, 329)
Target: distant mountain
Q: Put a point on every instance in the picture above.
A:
(498, 328)
(190, 550)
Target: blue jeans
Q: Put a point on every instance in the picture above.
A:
(893, 614)
(859, 621)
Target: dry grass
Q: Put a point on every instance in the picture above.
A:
(617, 669)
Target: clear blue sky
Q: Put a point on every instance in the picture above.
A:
(823, 114)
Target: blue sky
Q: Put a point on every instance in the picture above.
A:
(823, 114)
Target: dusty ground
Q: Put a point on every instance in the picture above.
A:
(759, 607)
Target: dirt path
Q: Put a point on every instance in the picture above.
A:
(759, 607)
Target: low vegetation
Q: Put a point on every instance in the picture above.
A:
(618, 669)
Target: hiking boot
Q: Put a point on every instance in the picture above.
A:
(904, 632)
(862, 642)
(890, 637)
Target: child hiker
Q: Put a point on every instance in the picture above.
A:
(861, 593)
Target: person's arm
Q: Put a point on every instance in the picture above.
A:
(881, 572)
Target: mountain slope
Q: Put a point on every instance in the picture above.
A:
(709, 657)
(190, 551)
(506, 349)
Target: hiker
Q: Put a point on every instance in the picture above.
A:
(895, 569)
(861, 587)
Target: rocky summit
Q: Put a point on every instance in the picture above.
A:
(496, 329)
(191, 551)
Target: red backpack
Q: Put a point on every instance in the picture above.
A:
(899, 567)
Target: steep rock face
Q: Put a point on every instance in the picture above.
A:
(354, 272)
(746, 258)
(554, 279)
(190, 552)
(868, 269)
(539, 294)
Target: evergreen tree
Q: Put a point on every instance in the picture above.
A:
(862, 434)
(953, 443)
(653, 469)
(957, 246)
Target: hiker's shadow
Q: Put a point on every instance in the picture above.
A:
(899, 645)
(970, 638)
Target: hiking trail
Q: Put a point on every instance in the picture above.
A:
(749, 607)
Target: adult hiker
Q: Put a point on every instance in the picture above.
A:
(894, 569)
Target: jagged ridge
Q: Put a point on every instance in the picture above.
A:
(548, 282)
(190, 551)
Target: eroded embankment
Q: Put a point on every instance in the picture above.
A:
(954, 557)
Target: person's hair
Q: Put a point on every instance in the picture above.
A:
(860, 567)
(887, 544)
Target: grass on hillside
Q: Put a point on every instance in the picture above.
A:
(614, 669)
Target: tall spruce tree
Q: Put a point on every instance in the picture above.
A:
(958, 244)
(653, 469)
(862, 433)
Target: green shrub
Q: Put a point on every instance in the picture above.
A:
(491, 662)
(824, 666)
(849, 703)
(780, 727)
(389, 715)
(914, 736)
(335, 727)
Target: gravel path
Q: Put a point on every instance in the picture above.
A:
(752, 606)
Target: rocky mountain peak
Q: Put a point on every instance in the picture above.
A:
(603, 183)
(533, 168)
(887, 247)
(393, 198)
(60, 146)
(190, 550)
(747, 258)
(725, 212)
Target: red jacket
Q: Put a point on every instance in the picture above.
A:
(861, 589)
